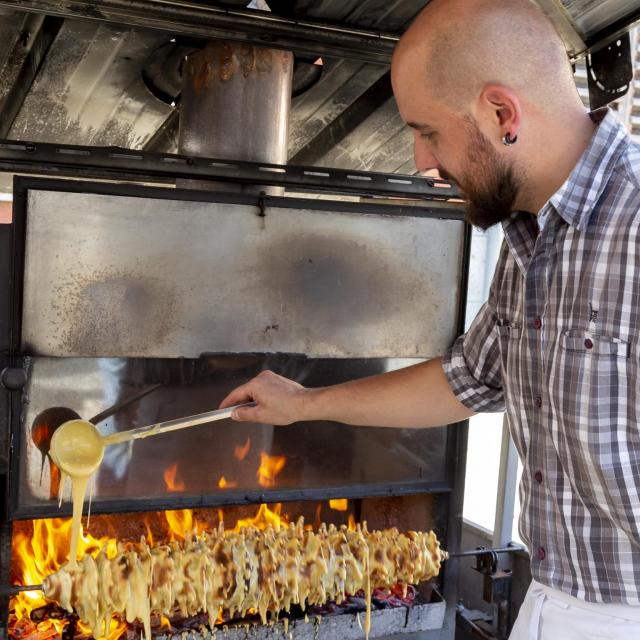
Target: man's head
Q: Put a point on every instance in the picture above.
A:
(466, 74)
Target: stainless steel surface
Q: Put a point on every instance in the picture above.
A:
(90, 89)
(123, 276)
(235, 105)
(318, 454)
(592, 16)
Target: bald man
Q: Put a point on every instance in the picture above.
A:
(487, 89)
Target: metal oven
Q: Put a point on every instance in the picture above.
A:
(128, 304)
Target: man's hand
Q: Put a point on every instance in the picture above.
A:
(417, 396)
(278, 400)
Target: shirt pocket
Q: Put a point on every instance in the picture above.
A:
(592, 390)
(583, 342)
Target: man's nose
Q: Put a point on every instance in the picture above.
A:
(423, 157)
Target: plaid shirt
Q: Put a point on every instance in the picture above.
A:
(557, 345)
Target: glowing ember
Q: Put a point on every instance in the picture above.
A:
(223, 483)
(171, 480)
(340, 504)
(240, 452)
(270, 467)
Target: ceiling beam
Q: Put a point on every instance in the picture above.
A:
(208, 22)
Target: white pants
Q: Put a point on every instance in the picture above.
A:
(549, 614)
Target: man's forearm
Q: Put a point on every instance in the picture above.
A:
(416, 396)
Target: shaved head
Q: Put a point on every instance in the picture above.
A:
(472, 78)
(466, 44)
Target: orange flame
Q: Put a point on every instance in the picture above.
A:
(352, 523)
(240, 452)
(181, 523)
(170, 478)
(223, 483)
(41, 554)
(270, 467)
(339, 504)
(264, 518)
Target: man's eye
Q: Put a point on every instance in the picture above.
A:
(429, 135)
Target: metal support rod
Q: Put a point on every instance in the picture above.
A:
(15, 589)
(209, 22)
(478, 552)
(128, 164)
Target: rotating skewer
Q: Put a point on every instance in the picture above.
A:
(14, 589)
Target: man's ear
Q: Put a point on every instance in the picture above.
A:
(502, 109)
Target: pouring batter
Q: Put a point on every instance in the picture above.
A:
(77, 448)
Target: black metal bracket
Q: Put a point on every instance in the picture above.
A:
(496, 587)
(128, 164)
(609, 72)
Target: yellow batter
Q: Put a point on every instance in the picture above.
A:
(77, 448)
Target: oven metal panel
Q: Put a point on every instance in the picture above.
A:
(128, 276)
(184, 468)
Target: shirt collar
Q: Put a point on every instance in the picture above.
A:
(576, 198)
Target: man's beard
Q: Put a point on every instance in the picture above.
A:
(488, 183)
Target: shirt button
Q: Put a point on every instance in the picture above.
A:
(537, 323)
(537, 401)
(541, 553)
(538, 477)
(588, 344)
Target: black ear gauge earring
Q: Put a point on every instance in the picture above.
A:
(507, 140)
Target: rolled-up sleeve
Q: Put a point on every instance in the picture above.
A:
(473, 366)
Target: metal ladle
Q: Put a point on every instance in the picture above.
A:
(77, 447)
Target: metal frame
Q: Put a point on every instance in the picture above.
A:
(128, 164)
(208, 22)
(507, 486)
(308, 37)
(612, 32)
(235, 498)
(15, 289)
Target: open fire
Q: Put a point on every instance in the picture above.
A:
(40, 548)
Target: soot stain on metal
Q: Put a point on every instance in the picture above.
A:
(344, 282)
(113, 310)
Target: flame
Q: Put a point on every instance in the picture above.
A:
(181, 523)
(240, 452)
(270, 467)
(223, 483)
(40, 554)
(264, 518)
(170, 480)
(147, 525)
(339, 504)
(352, 523)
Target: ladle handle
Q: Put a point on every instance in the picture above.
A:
(171, 425)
